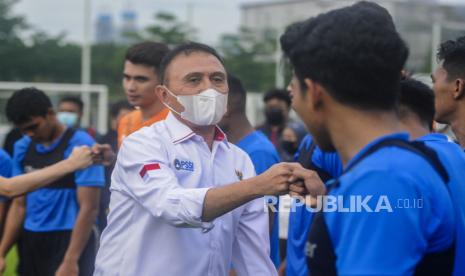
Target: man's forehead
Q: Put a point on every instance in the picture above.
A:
(195, 62)
(138, 69)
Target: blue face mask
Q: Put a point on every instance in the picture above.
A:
(69, 119)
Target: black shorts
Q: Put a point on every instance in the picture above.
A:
(43, 252)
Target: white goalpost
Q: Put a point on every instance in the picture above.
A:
(95, 98)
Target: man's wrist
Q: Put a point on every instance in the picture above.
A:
(71, 258)
(254, 187)
(68, 166)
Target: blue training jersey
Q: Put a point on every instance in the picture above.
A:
(406, 213)
(300, 218)
(56, 209)
(264, 155)
(6, 168)
(453, 159)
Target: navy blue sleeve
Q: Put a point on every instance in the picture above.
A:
(92, 176)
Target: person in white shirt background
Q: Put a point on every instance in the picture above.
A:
(184, 200)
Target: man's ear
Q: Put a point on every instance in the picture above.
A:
(314, 92)
(161, 93)
(459, 90)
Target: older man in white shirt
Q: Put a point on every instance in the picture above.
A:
(185, 201)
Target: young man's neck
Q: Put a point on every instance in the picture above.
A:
(149, 111)
(414, 127)
(352, 130)
(458, 126)
(58, 130)
(239, 128)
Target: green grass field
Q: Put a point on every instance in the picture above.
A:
(11, 263)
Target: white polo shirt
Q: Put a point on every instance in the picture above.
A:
(157, 193)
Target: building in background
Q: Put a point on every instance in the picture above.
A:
(413, 18)
(109, 31)
(104, 28)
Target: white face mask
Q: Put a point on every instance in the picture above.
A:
(69, 119)
(203, 109)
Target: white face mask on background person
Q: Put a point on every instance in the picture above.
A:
(203, 109)
(69, 119)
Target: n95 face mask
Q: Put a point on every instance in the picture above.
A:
(203, 109)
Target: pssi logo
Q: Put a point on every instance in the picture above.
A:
(183, 165)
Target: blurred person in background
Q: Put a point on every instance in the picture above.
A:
(240, 132)
(291, 138)
(416, 112)
(277, 107)
(449, 87)
(70, 110)
(117, 111)
(140, 78)
(58, 236)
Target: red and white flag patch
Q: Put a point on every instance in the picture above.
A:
(146, 169)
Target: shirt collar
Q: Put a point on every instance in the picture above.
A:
(181, 132)
(433, 137)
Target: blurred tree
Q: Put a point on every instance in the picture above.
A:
(107, 66)
(250, 56)
(169, 29)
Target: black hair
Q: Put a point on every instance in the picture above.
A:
(355, 53)
(116, 107)
(75, 100)
(418, 98)
(280, 94)
(147, 53)
(237, 96)
(186, 48)
(452, 53)
(27, 103)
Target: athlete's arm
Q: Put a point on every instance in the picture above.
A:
(88, 200)
(14, 221)
(80, 158)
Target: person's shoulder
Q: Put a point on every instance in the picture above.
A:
(130, 116)
(4, 156)
(81, 137)
(394, 165)
(22, 143)
(148, 136)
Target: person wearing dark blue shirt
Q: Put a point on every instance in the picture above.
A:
(261, 151)
(416, 112)
(449, 86)
(57, 236)
(328, 165)
(390, 211)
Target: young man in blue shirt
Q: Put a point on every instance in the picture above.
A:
(263, 154)
(449, 87)
(328, 165)
(416, 113)
(347, 68)
(57, 237)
